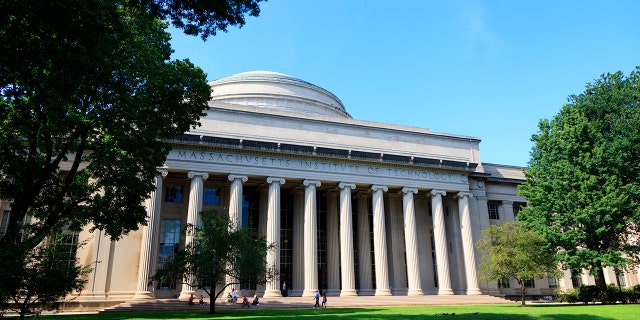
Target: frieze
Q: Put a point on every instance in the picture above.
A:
(314, 165)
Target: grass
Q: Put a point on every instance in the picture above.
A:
(466, 312)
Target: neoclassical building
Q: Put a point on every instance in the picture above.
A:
(353, 207)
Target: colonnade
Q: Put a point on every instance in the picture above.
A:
(305, 230)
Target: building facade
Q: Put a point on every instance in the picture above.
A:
(353, 207)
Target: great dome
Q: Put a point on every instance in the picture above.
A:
(272, 91)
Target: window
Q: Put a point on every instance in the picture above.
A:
(517, 207)
(504, 283)
(553, 281)
(576, 280)
(530, 283)
(174, 194)
(620, 276)
(493, 211)
(169, 246)
(211, 196)
(4, 222)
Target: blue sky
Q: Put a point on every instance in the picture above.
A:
(487, 69)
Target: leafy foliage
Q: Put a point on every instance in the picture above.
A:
(217, 251)
(513, 252)
(34, 279)
(88, 98)
(582, 183)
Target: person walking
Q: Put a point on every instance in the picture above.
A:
(283, 289)
(324, 299)
(235, 295)
(317, 298)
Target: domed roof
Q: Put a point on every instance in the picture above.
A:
(271, 91)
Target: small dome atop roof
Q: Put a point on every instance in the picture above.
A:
(272, 91)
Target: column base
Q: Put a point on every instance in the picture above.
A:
(383, 292)
(185, 295)
(348, 293)
(309, 292)
(144, 295)
(415, 292)
(474, 292)
(445, 292)
(272, 294)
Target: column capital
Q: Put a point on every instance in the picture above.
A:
(409, 190)
(307, 183)
(438, 193)
(271, 180)
(162, 172)
(237, 176)
(193, 174)
(343, 185)
(463, 194)
(376, 187)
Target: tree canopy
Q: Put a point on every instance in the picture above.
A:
(583, 179)
(217, 245)
(510, 251)
(88, 98)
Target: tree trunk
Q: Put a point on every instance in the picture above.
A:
(523, 291)
(602, 285)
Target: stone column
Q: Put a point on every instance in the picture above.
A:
(235, 199)
(380, 241)
(467, 244)
(297, 285)
(273, 235)
(333, 245)
(364, 246)
(310, 239)
(440, 240)
(346, 241)
(411, 242)
(148, 255)
(193, 218)
(262, 226)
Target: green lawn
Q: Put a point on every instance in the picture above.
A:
(476, 312)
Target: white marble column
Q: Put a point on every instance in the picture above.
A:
(333, 245)
(411, 242)
(380, 241)
(148, 255)
(297, 285)
(346, 241)
(262, 226)
(440, 240)
(193, 218)
(310, 238)
(235, 199)
(364, 246)
(273, 235)
(467, 244)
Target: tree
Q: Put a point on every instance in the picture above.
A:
(217, 245)
(510, 251)
(582, 183)
(89, 100)
(47, 272)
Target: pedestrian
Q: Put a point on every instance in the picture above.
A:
(324, 299)
(235, 295)
(317, 298)
(284, 289)
(201, 300)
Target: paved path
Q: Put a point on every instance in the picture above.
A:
(307, 302)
